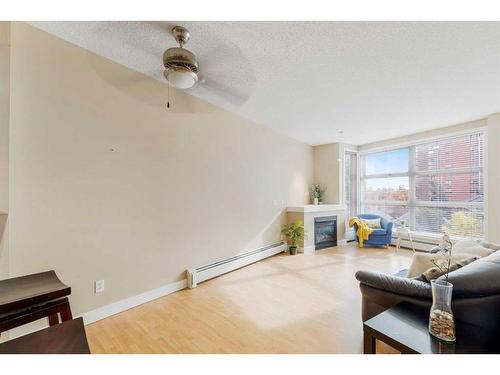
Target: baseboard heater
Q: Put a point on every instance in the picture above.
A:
(419, 243)
(209, 271)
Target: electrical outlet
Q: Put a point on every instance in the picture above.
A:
(98, 286)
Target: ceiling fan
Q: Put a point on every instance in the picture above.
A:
(219, 73)
(183, 71)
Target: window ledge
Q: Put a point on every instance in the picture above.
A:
(434, 238)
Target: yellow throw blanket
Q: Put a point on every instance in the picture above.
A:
(363, 231)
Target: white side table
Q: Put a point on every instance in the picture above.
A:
(404, 231)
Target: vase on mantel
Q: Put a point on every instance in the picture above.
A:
(316, 201)
(441, 321)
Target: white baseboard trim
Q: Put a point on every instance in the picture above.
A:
(128, 303)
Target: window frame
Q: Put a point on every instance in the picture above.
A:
(353, 152)
(412, 203)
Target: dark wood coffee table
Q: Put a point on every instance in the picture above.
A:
(405, 328)
(66, 338)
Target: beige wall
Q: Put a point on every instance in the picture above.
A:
(4, 145)
(328, 170)
(108, 184)
(328, 166)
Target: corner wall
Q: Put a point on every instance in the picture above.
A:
(107, 184)
(327, 165)
(4, 146)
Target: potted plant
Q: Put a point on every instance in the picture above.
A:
(294, 233)
(317, 193)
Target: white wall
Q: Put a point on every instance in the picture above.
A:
(107, 184)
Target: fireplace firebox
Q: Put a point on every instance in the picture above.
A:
(325, 232)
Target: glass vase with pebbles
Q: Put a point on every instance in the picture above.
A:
(441, 322)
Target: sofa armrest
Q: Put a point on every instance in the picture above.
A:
(386, 224)
(389, 227)
(395, 284)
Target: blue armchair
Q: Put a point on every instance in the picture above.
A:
(379, 237)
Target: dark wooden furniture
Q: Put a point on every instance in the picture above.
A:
(66, 338)
(405, 328)
(28, 298)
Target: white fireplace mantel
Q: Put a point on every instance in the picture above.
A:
(317, 208)
(308, 213)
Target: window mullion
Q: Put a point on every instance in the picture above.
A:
(412, 187)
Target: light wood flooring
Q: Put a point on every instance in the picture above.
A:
(284, 304)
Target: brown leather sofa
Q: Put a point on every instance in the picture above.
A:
(476, 292)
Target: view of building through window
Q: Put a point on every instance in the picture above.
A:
(430, 187)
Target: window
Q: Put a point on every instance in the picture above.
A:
(431, 187)
(385, 184)
(350, 188)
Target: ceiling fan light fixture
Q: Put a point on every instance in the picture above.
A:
(181, 78)
(181, 65)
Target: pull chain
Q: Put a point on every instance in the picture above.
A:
(168, 96)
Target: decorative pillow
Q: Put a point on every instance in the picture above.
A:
(435, 272)
(471, 247)
(489, 245)
(421, 262)
(372, 223)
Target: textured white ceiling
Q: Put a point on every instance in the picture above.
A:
(310, 80)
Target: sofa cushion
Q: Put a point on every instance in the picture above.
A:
(378, 232)
(489, 245)
(471, 247)
(479, 279)
(372, 223)
(421, 262)
(435, 272)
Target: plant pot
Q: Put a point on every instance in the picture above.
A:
(292, 250)
(441, 321)
(316, 201)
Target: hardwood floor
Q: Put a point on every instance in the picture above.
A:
(284, 304)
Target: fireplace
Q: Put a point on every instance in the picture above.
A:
(325, 232)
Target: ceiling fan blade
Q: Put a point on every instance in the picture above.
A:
(143, 88)
(208, 88)
(128, 82)
(227, 74)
